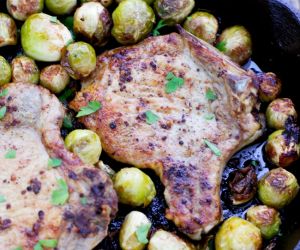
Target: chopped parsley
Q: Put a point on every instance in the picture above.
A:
(92, 107)
(142, 233)
(50, 243)
(151, 118)
(254, 163)
(67, 122)
(66, 94)
(11, 154)
(61, 195)
(54, 162)
(173, 83)
(38, 246)
(221, 46)
(210, 95)
(4, 92)
(83, 200)
(213, 147)
(18, 248)
(2, 112)
(209, 116)
(2, 198)
(159, 25)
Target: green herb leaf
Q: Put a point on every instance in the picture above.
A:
(210, 95)
(18, 248)
(53, 19)
(173, 83)
(92, 107)
(48, 243)
(221, 46)
(142, 233)
(159, 25)
(4, 92)
(66, 94)
(2, 112)
(54, 162)
(38, 246)
(67, 122)
(209, 116)
(11, 154)
(83, 200)
(2, 198)
(60, 195)
(254, 163)
(213, 147)
(151, 118)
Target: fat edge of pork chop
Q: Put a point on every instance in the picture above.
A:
(130, 81)
(31, 127)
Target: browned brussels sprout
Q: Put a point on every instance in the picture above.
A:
(105, 3)
(61, 7)
(269, 86)
(21, 10)
(8, 30)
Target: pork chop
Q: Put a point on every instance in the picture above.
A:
(72, 203)
(184, 131)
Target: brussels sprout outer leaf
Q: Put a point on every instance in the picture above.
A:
(151, 118)
(213, 147)
(60, 195)
(92, 107)
(142, 233)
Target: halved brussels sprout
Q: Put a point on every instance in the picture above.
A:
(131, 229)
(277, 188)
(269, 86)
(5, 70)
(149, 2)
(236, 234)
(202, 25)
(283, 148)
(167, 241)
(8, 30)
(105, 3)
(61, 7)
(267, 219)
(85, 144)
(93, 21)
(134, 187)
(55, 78)
(173, 11)
(79, 59)
(21, 10)
(236, 43)
(43, 37)
(279, 111)
(133, 20)
(24, 69)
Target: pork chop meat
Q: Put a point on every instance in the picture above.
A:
(30, 136)
(185, 136)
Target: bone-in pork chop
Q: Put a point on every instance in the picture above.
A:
(71, 203)
(185, 131)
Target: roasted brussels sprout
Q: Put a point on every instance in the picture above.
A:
(107, 169)
(105, 3)
(85, 144)
(5, 70)
(279, 111)
(8, 30)
(267, 219)
(133, 20)
(202, 25)
(79, 59)
(236, 43)
(149, 2)
(277, 188)
(134, 187)
(43, 37)
(283, 148)
(236, 233)
(269, 86)
(93, 21)
(167, 241)
(61, 7)
(21, 10)
(24, 69)
(173, 11)
(55, 78)
(134, 231)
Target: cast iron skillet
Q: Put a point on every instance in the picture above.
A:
(275, 29)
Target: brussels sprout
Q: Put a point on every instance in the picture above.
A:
(93, 21)
(236, 43)
(279, 111)
(107, 169)
(277, 188)
(269, 86)
(236, 234)
(133, 20)
(282, 148)
(24, 69)
(61, 7)
(167, 241)
(85, 144)
(149, 2)
(203, 25)
(79, 59)
(267, 219)
(5, 70)
(173, 11)
(55, 78)
(43, 37)
(134, 231)
(21, 10)
(134, 187)
(8, 30)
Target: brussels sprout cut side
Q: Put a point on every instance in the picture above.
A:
(8, 30)
(21, 10)
(24, 69)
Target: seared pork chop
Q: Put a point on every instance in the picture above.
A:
(184, 131)
(30, 189)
